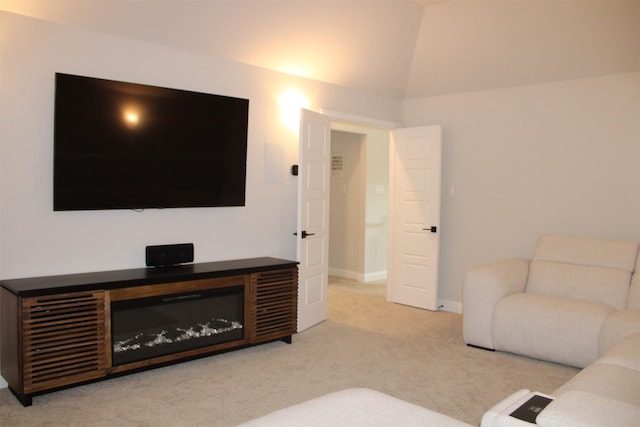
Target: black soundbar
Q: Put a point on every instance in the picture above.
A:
(169, 255)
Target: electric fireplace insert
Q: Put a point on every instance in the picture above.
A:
(145, 328)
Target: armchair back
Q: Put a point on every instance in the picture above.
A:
(591, 270)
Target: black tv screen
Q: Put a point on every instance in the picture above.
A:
(121, 145)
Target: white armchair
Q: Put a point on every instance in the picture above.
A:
(555, 306)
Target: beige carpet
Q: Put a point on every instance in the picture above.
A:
(412, 354)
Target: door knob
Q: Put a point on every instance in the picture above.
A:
(432, 229)
(305, 234)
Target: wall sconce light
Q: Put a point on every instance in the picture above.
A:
(290, 102)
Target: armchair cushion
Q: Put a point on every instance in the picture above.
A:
(583, 282)
(586, 269)
(550, 328)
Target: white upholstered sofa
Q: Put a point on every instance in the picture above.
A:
(576, 302)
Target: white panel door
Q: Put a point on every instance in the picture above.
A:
(313, 218)
(414, 238)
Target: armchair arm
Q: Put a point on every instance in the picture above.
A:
(483, 286)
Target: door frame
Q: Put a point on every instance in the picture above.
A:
(363, 121)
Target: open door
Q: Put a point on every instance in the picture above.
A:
(313, 218)
(414, 216)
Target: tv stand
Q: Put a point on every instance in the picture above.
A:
(62, 331)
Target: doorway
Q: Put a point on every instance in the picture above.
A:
(359, 206)
(415, 153)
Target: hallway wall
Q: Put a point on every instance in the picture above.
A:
(360, 203)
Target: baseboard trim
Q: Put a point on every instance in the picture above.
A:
(373, 277)
(359, 277)
(346, 274)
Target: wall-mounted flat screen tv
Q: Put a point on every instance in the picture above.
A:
(121, 145)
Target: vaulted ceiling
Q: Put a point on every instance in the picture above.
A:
(394, 48)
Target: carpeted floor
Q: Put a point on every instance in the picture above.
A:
(412, 354)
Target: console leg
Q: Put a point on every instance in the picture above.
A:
(287, 339)
(25, 399)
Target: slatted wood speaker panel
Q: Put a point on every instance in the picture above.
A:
(274, 305)
(63, 339)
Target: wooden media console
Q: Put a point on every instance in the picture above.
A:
(61, 331)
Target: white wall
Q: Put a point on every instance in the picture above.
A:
(35, 241)
(561, 157)
(377, 202)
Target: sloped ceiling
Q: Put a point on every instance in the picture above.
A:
(474, 45)
(394, 48)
